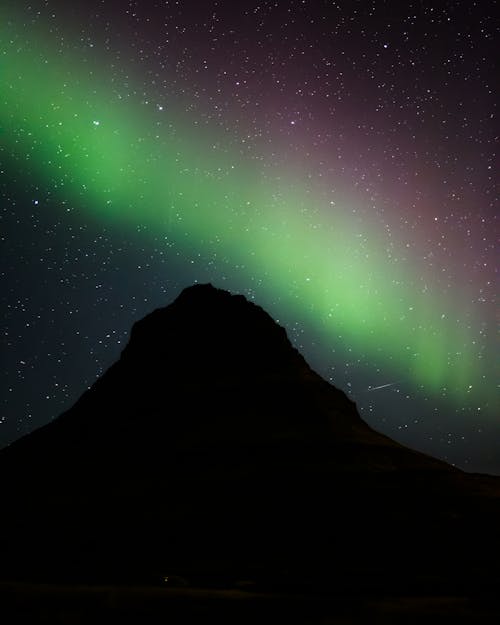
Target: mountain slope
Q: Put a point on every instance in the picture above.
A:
(212, 449)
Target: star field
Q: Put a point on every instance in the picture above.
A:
(333, 161)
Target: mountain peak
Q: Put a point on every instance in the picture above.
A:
(207, 331)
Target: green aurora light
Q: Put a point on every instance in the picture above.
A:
(124, 163)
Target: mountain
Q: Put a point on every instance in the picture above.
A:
(211, 451)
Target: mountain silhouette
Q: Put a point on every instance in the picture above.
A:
(211, 452)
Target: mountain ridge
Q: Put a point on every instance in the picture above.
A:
(157, 348)
(212, 448)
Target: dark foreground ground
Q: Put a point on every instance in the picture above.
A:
(96, 605)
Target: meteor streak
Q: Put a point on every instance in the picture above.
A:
(376, 388)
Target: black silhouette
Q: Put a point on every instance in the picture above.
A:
(211, 454)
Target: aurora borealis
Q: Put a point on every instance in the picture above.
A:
(333, 161)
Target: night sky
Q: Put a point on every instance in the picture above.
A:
(332, 161)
